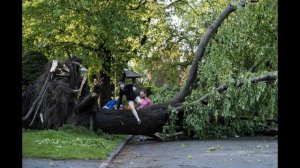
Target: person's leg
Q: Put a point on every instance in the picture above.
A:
(134, 112)
(98, 102)
(141, 138)
(138, 100)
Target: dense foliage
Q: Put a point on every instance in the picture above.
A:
(246, 38)
(163, 94)
(105, 34)
(159, 39)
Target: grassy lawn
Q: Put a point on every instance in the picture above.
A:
(69, 143)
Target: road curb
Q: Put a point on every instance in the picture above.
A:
(112, 155)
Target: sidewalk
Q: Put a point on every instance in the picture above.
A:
(47, 163)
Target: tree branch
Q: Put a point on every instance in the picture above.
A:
(200, 52)
(141, 3)
(223, 88)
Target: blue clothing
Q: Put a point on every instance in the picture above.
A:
(111, 104)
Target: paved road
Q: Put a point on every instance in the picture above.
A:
(246, 152)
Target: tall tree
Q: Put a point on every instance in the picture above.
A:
(105, 34)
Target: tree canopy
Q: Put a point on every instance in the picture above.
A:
(158, 39)
(87, 29)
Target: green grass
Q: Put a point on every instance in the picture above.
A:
(69, 143)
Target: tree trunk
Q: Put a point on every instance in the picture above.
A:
(87, 103)
(104, 73)
(153, 119)
(105, 95)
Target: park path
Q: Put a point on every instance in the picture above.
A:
(48, 163)
(246, 152)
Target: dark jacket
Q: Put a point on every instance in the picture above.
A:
(128, 91)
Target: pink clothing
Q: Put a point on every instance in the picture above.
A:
(145, 102)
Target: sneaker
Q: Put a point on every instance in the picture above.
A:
(139, 122)
(141, 139)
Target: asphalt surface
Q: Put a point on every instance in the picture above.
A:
(47, 163)
(245, 152)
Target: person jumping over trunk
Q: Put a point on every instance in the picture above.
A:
(129, 91)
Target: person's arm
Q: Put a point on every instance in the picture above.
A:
(134, 87)
(120, 99)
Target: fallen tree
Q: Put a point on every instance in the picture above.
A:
(60, 105)
(155, 116)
